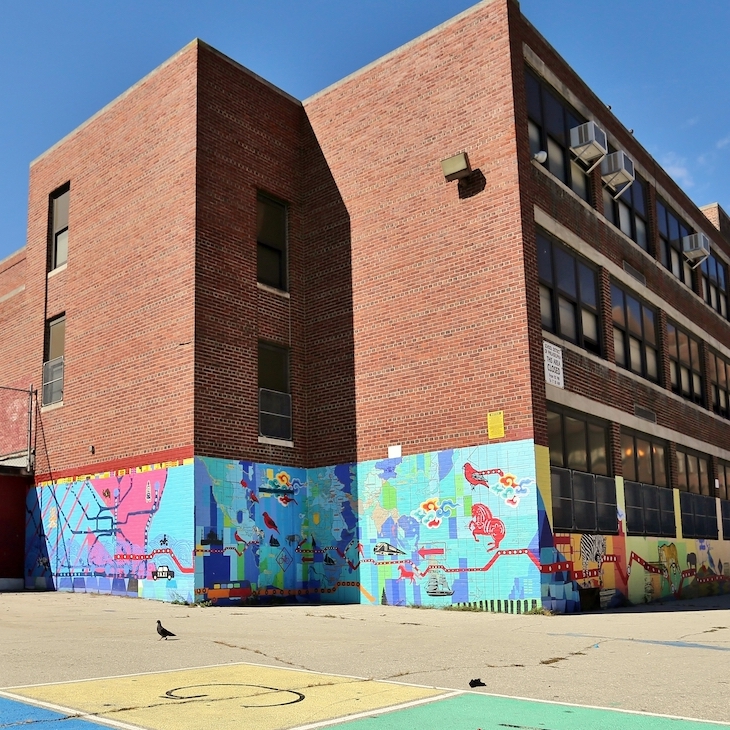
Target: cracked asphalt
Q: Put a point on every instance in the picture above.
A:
(669, 659)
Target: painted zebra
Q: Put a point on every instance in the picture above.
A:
(592, 549)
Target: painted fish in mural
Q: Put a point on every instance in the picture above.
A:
(484, 523)
(269, 522)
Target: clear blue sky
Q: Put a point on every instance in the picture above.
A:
(663, 66)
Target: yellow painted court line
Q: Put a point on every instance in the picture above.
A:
(271, 697)
(382, 711)
(69, 712)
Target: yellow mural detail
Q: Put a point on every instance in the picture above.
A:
(542, 472)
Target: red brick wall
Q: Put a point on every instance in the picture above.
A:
(440, 333)
(583, 376)
(128, 288)
(248, 140)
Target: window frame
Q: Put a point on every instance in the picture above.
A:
(577, 300)
(634, 201)
(676, 364)
(571, 486)
(667, 244)
(714, 284)
(59, 202)
(649, 502)
(538, 120)
(622, 328)
(719, 392)
(281, 250)
(274, 405)
(53, 380)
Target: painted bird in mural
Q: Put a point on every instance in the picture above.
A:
(269, 522)
(162, 631)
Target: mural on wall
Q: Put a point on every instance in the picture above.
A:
(127, 532)
(599, 571)
(434, 528)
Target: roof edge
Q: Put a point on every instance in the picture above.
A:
(397, 51)
(117, 99)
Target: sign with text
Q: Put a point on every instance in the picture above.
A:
(495, 424)
(553, 364)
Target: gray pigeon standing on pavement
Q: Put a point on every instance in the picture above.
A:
(162, 631)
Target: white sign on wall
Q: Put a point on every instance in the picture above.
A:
(553, 364)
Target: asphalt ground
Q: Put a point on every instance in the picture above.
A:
(68, 661)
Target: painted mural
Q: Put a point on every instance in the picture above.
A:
(128, 532)
(457, 526)
(588, 572)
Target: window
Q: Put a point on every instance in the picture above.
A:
(684, 364)
(649, 501)
(671, 232)
(699, 509)
(628, 213)
(53, 360)
(568, 295)
(550, 120)
(271, 237)
(634, 334)
(58, 243)
(714, 284)
(719, 372)
(584, 496)
(275, 420)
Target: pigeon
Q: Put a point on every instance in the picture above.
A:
(162, 631)
(476, 683)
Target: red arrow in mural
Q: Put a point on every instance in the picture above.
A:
(424, 552)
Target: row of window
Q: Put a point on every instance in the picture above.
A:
(569, 307)
(271, 236)
(584, 490)
(275, 418)
(550, 119)
(275, 411)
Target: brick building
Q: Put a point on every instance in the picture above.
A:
(278, 355)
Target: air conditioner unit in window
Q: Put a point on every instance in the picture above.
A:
(696, 247)
(617, 171)
(588, 142)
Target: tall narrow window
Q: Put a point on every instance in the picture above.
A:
(271, 237)
(53, 360)
(714, 284)
(584, 496)
(684, 362)
(628, 213)
(699, 509)
(58, 243)
(275, 412)
(634, 334)
(723, 492)
(649, 502)
(568, 295)
(550, 120)
(719, 374)
(671, 232)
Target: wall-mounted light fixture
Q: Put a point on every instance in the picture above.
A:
(456, 167)
(540, 157)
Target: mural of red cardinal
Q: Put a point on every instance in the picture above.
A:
(253, 496)
(238, 537)
(269, 522)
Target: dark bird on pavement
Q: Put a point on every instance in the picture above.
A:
(163, 632)
(476, 683)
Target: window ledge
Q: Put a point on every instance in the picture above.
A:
(57, 270)
(276, 442)
(51, 407)
(273, 290)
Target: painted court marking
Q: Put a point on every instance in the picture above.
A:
(281, 698)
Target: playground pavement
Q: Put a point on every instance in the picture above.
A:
(74, 661)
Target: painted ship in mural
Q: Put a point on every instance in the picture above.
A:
(437, 584)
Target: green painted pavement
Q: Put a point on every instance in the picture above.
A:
(486, 712)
